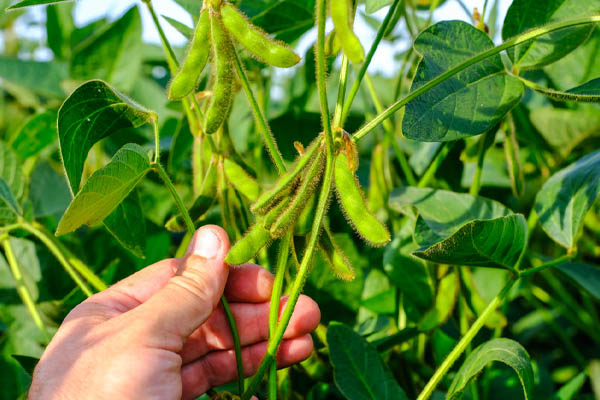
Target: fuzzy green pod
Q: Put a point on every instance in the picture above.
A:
(307, 187)
(202, 203)
(240, 179)
(244, 249)
(340, 14)
(186, 79)
(351, 199)
(305, 219)
(275, 212)
(256, 41)
(335, 257)
(222, 92)
(268, 197)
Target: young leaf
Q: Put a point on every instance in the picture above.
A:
(106, 189)
(571, 389)
(527, 14)
(445, 300)
(113, 53)
(484, 243)
(506, 351)
(92, 112)
(127, 224)
(584, 275)
(471, 102)
(358, 371)
(37, 133)
(566, 197)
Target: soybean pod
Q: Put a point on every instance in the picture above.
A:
(240, 179)
(306, 189)
(340, 11)
(256, 41)
(353, 204)
(244, 249)
(268, 197)
(335, 257)
(222, 92)
(186, 79)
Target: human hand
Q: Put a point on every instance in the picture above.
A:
(162, 333)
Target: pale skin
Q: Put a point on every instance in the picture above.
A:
(162, 334)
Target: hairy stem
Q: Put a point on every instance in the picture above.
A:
(524, 37)
(189, 224)
(259, 116)
(549, 264)
(236, 344)
(464, 342)
(339, 105)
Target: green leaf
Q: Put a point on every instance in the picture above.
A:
(91, 113)
(486, 243)
(571, 389)
(127, 224)
(564, 129)
(11, 171)
(113, 53)
(445, 300)
(444, 212)
(566, 197)
(38, 132)
(286, 19)
(524, 15)
(9, 208)
(381, 303)
(106, 189)
(589, 92)
(358, 371)
(373, 5)
(29, 3)
(48, 191)
(43, 78)
(506, 351)
(28, 363)
(59, 27)
(469, 103)
(181, 27)
(585, 275)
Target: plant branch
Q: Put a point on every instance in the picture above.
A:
(259, 116)
(524, 37)
(339, 105)
(189, 224)
(549, 264)
(363, 68)
(464, 342)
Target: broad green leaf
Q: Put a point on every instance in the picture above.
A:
(410, 274)
(106, 189)
(566, 197)
(381, 303)
(59, 26)
(92, 112)
(503, 350)
(358, 371)
(469, 103)
(444, 212)
(29, 3)
(485, 243)
(286, 19)
(112, 54)
(9, 208)
(191, 6)
(373, 5)
(127, 224)
(478, 303)
(524, 15)
(43, 78)
(571, 389)
(585, 275)
(565, 129)
(445, 300)
(48, 191)
(36, 134)
(11, 171)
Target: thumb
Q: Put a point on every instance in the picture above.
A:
(189, 297)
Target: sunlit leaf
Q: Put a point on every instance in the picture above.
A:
(126, 223)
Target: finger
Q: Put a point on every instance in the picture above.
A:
(189, 297)
(249, 283)
(219, 367)
(252, 321)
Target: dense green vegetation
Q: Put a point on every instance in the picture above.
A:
(444, 218)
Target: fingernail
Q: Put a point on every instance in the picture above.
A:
(205, 243)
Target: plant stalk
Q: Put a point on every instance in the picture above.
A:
(439, 159)
(524, 37)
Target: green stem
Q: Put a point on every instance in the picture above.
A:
(524, 37)
(339, 104)
(259, 116)
(439, 159)
(171, 58)
(50, 242)
(464, 342)
(22, 289)
(363, 68)
(189, 224)
(236, 344)
(484, 145)
(156, 140)
(389, 129)
(282, 260)
(552, 263)
(322, 73)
